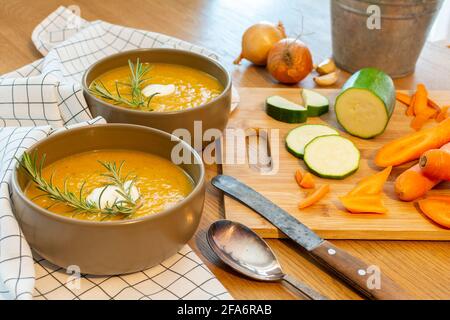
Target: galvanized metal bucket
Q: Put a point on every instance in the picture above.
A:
(385, 34)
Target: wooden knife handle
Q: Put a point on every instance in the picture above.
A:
(368, 280)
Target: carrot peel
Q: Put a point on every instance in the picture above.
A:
(314, 197)
(442, 115)
(410, 110)
(403, 98)
(423, 107)
(434, 105)
(421, 99)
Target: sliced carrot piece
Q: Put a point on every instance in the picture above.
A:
(403, 98)
(433, 105)
(314, 197)
(363, 203)
(298, 177)
(372, 184)
(411, 146)
(410, 110)
(437, 210)
(308, 181)
(443, 114)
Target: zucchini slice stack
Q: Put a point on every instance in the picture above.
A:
(299, 137)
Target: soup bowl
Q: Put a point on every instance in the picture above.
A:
(213, 114)
(118, 246)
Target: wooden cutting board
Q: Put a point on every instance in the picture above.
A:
(328, 218)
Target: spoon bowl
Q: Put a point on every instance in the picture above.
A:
(240, 248)
(246, 252)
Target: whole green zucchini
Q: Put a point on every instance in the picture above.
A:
(366, 103)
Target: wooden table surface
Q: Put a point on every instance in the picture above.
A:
(422, 267)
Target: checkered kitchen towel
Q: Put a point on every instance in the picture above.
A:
(45, 96)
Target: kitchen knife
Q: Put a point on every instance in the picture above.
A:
(366, 279)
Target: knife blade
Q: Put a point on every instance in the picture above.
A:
(281, 219)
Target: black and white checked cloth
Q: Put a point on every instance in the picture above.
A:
(46, 96)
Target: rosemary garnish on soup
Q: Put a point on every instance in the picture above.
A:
(135, 85)
(136, 82)
(124, 204)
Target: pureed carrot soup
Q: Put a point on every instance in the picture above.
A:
(156, 87)
(109, 185)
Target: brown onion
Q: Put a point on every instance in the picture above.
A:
(258, 40)
(289, 61)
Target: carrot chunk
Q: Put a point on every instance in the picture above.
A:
(308, 181)
(413, 183)
(298, 177)
(435, 164)
(314, 197)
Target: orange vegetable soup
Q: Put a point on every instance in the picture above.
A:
(156, 183)
(176, 87)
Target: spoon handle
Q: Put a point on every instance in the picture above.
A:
(304, 289)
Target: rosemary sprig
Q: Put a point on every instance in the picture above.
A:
(126, 207)
(137, 80)
(114, 174)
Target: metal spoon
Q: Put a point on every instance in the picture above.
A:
(244, 251)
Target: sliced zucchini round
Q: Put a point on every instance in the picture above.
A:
(332, 157)
(299, 137)
(316, 103)
(284, 110)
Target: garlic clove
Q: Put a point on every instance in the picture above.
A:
(325, 67)
(326, 80)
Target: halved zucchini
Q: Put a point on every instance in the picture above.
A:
(299, 137)
(332, 157)
(284, 110)
(366, 102)
(316, 103)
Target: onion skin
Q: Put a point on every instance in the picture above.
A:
(258, 40)
(289, 61)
